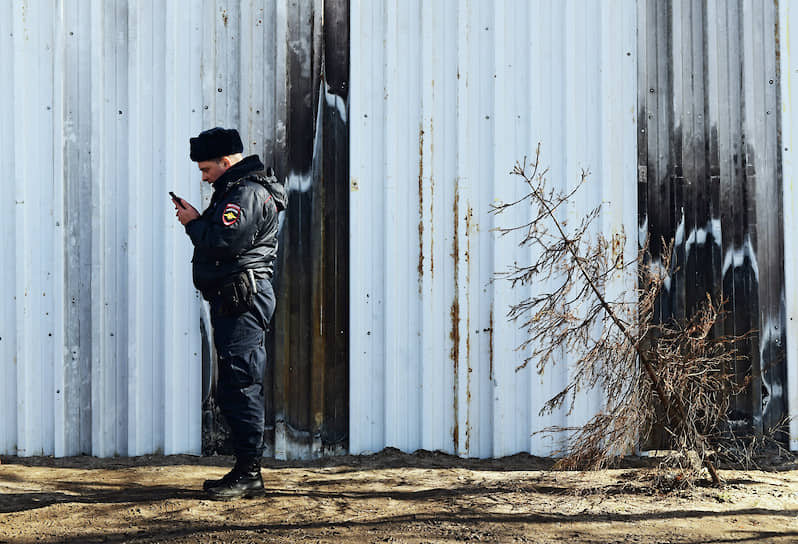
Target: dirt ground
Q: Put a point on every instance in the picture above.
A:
(388, 497)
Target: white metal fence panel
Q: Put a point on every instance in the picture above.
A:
(788, 58)
(99, 333)
(445, 98)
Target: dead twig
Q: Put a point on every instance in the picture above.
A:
(584, 306)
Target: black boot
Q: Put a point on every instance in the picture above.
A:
(240, 466)
(243, 481)
(207, 484)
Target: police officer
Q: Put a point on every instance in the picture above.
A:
(235, 243)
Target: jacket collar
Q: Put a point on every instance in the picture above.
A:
(244, 167)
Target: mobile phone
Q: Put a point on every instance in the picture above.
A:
(177, 199)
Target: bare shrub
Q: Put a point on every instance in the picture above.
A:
(675, 371)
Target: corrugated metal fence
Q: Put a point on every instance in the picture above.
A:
(97, 98)
(100, 337)
(710, 177)
(787, 20)
(389, 330)
(446, 97)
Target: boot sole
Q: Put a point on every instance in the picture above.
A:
(252, 494)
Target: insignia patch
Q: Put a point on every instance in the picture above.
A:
(230, 214)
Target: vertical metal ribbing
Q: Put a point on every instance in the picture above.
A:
(475, 121)
(8, 327)
(26, 398)
(367, 385)
(788, 67)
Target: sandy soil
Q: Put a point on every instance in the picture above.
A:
(389, 497)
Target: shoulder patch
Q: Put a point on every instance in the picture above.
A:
(231, 214)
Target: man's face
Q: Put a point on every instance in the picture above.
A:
(211, 170)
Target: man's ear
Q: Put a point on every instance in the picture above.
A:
(226, 162)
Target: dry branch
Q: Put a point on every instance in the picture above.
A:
(618, 344)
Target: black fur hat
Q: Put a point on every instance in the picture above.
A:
(214, 143)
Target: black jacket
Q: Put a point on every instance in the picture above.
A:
(238, 230)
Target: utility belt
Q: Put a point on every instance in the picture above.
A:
(236, 295)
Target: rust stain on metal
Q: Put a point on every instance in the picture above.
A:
(224, 17)
(455, 242)
(420, 207)
(471, 227)
(454, 335)
(490, 333)
(353, 185)
(618, 241)
(454, 353)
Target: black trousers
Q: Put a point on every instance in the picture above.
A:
(241, 349)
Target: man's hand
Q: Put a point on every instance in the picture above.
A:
(186, 214)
